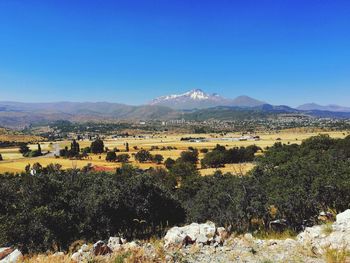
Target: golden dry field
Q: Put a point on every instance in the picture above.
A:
(14, 162)
(11, 136)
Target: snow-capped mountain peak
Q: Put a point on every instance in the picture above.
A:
(197, 94)
(197, 98)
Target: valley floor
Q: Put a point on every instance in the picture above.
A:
(14, 162)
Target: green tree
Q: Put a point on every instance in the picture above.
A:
(74, 148)
(39, 149)
(86, 150)
(111, 157)
(126, 146)
(143, 156)
(97, 146)
(158, 158)
(24, 149)
(37, 167)
(169, 163)
(123, 158)
(214, 159)
(189, 156)
(182, 170)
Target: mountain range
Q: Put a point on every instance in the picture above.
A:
(331, 107)
(194, 104)
(198, 99)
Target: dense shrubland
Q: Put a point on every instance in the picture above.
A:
(291, 182)
(220, 156)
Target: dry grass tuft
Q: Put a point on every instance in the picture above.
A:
(327, 229)
(74, 247)
(276, 235)
(337, 256)
(51, 258)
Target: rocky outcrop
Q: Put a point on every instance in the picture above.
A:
(100, 248)
(84, 254)
(194, 233)
(328, 236)
(115, 243)
(208, 243)
(211, 244)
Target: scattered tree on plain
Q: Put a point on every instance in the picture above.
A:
(158, 158)
(97, 146)
(143, 156)
(123, 158)
(111, 157)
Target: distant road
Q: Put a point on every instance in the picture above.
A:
(55, 150)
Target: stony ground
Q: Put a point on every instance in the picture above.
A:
(210, 244)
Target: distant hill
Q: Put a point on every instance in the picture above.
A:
(328, 114)
(317, 107)
(245, 101)
(239, 113)
(18, 114)
(198, 99)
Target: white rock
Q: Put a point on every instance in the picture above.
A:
(174, 236)
(248, 236)
(192, 231)
(13, 257)
(342, 222)
(343, 218)
(309, 234)
(339, 238)
(76, 256)
(200, 233)
(85, 248)
(208, 229)
(290, 242)
(201, 238)
(218, 239)
(114, 243)
(82, 255)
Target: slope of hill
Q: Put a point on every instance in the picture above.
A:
(245, 101)
(239, 113)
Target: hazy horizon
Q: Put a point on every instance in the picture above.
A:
(147, 102)
(284, 53)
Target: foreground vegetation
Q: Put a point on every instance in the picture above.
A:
(53, 208)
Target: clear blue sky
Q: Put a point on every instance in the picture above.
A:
(282, 51)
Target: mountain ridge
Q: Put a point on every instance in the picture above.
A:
(329, 107)
(194, 104)
(198, 99)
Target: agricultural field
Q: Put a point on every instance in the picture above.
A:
(11, 136)
(14, 162)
